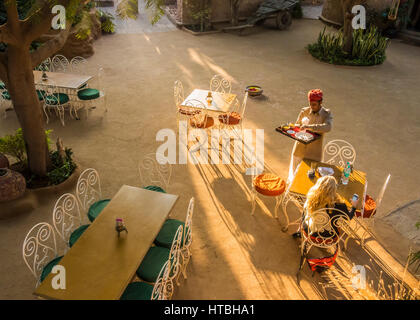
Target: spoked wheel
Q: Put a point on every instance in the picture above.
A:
(284, 20)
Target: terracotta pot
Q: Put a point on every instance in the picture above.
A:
(4, 162)
(12, 185)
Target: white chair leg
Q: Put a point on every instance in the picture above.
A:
(253, 201)
(278, 202)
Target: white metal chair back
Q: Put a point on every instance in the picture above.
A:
(240, 107)
(88, 188)
(78, 65)
(198, 110)
(188, 225)
(364, 199)
(50, 94)
(154, 172)
(45, 65)
(339, 152)
(324, 227)
(66, 216)
(175, 254)
(178, 93)
(381, 193)
(220, 84)
(159, 289)
(39, 248)
(60, 63)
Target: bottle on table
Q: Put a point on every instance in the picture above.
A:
(346, 174)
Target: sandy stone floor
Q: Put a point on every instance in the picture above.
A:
(236, 255)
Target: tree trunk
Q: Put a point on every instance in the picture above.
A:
(347, 27)
(21, 87)
(234, 10)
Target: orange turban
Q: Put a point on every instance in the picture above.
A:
(315, 95)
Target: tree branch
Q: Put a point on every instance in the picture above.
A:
(12, 15)
(39, 22)
(50, 47)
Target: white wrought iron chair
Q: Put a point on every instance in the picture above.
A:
(89, 193)
(186, 245)
(89, 97)
(339, 152)
(234, 119)
(67, 219)
(154, 174)
(53, 99)
(78, 65)
(139, 290)
(167, 232)
(60, 63)
(366, 221)
(323, 230)
(182, 112)
(45, 65)
(153, 259)
(220, 84)
(40, 250)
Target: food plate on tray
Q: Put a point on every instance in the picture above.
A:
(304, 136)
(325, 171)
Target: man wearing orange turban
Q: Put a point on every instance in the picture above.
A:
(316, 118)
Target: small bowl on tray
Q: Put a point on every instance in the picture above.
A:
(254, 90)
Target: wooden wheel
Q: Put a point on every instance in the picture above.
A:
(284, 20)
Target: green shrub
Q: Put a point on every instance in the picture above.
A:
(297, 11)
(369, 48)
(14, 145)
(63, 168)
(106, 19)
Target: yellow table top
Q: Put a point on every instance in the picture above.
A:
(100, 265)
(357, 180)
(221, 101)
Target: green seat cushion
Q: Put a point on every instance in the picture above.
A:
(167, 233)
(75, 235)
(2, 85)
(155, 188)
(47, 269)
(6, 95)
(88, 94)
(137, 291)
(96, 208)
(152, 263)
(57, 97)
(40, 94)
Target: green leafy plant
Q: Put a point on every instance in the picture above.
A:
(369, 48)
(63, 168)
(297, 12)
(14, 145)
(107, 23)
(414, 257)
(200, 12)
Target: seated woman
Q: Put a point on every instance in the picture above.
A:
(323, 195)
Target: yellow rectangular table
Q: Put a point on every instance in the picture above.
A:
(302, 183)
(221, 101)
(61, 80)
(100, 265)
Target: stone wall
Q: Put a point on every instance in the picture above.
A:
(220, 10)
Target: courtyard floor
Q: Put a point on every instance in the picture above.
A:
(236, 255)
